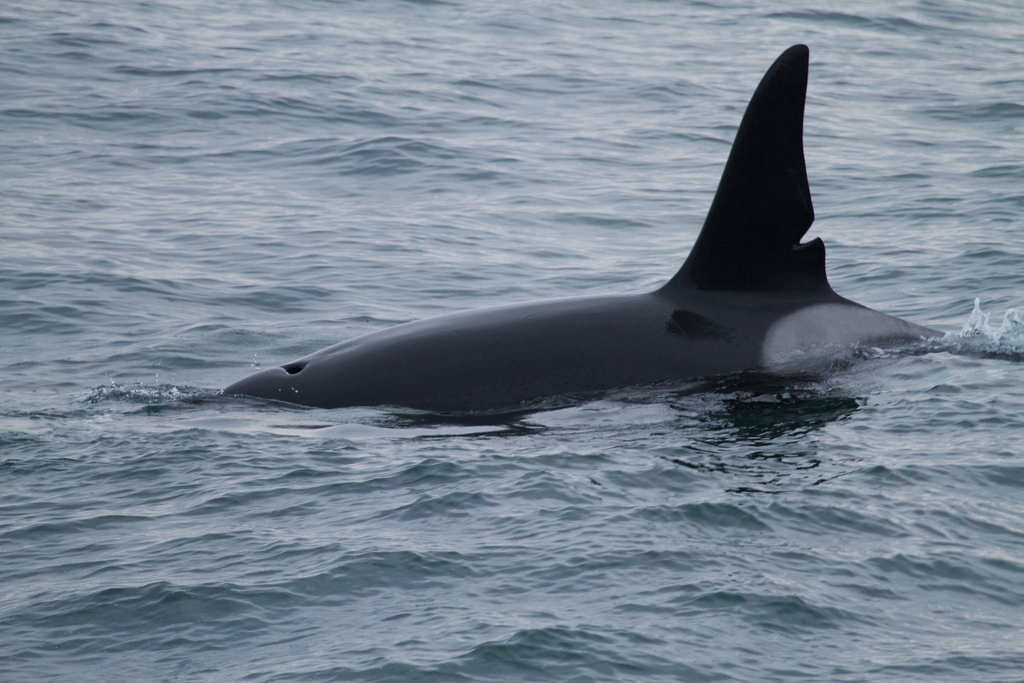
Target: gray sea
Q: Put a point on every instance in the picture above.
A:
(192, 190)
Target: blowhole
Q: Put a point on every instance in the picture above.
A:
(294, 368)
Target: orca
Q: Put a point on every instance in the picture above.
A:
(748, 297)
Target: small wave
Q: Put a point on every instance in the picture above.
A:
(148, 394)
(892, 24)
(973, 112)
(359, 432)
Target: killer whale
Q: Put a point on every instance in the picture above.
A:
(748, 296)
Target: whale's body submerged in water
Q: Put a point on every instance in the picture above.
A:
(748, 297)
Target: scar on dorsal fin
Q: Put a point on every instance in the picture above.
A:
(751, 236)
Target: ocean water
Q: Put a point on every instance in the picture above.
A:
(191, 190)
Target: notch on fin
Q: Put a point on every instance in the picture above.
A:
(751, 236)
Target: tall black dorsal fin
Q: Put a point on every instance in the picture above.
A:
(751, 236)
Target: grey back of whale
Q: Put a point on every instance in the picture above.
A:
(748, 296)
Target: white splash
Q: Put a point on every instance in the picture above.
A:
(1010, 334)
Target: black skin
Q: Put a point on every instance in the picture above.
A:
(746, 278)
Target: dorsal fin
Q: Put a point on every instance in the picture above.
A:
(751, 236)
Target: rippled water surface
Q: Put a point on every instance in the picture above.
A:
(191, 190)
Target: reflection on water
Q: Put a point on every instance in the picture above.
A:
(758, 426)
(761, 408)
